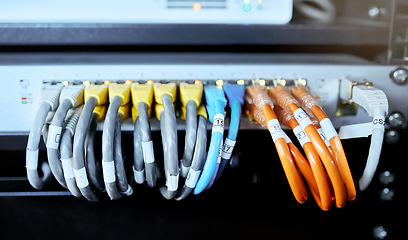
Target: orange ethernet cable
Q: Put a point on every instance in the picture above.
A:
(307, 101)
(284, 99)
(262, 102)
(323, 188)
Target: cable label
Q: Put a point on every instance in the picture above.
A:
(108, 169)
(227, 149)
(81, 178)
(148, 152)
(218, 125)
(323, 136)
(219, 152)
(32, 159)
(67, 167)
(139, 175)
(192, 178)
(301, 135)
(54, 136)
(172, 182)
(275, 129)
(302, 118)
(328, 128)
(378, 121)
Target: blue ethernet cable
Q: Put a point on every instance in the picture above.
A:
(216, 103)
(235, 94)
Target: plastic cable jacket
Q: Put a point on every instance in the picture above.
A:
(171, 161)
(145, 140)
(275, 129)
(198, 158)
(118, 158)
(328, 128)
(212, 156)
(92, 169)
(79, 145)
(81, 178)
(375, 149)
(191, 134)
(108, 136)
(66, 160)
(138, 162)
(32, 147)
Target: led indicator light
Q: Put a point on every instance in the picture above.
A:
(247, 7)
(197, 7)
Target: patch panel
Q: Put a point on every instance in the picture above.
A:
(21, 93)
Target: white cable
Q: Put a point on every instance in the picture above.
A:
(49, 102)
(375, 102)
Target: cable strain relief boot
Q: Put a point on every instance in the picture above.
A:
(234, 92)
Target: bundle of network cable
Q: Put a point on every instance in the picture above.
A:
(325, 167)
(68, 117)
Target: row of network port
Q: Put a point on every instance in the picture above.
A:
(69, 113)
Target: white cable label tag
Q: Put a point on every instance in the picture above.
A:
(302, 118)
(219, 153)
(323, 136)
(218, 125)
(148, 152)
(32, 159)
(54, 136)
(128, 192)
(67, 167)
(378, 121)
(328, 128)
(362, 129)
(172, 182)
(227, 148)
(356, 130)
(139, 175)
(108, 169)
(81, 178)
(192, 178)
(301, 135)
(275, 129)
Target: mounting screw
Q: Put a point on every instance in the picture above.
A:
(399, 76)
(396, 120)
(380, 232)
